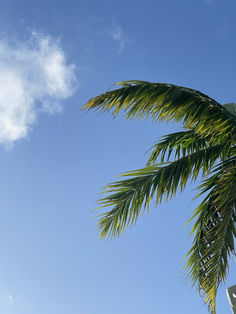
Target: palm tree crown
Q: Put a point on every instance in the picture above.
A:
(205, 147)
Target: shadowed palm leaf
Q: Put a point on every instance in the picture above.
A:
(214, 232)
(206, 147)
(183, 144)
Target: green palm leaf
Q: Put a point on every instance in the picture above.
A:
(167, 101)
(214, 233)
(209, 137)
(128, 197)
(182, 144)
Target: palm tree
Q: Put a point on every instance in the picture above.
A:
(205, 147)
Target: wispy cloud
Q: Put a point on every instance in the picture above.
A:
(209, 2)
(10, 299)
(225, 28)
(118, 35)
(34, 78)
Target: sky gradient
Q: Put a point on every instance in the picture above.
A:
(55, 158)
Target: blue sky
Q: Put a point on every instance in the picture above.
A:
(54, 56)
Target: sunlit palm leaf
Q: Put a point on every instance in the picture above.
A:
(167, 101)
(210, 137)
(128, 197)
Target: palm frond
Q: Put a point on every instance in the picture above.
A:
(214, 232)
(170, 102)
(210, 136)
(128, 197)
(182, 144)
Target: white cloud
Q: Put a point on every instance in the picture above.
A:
(34, 78)
(118, 35)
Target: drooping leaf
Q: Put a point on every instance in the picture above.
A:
(167, 101)
(214, 232)
(182, 144)
(128, 197)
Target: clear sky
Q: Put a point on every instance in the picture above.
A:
(54, 158)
